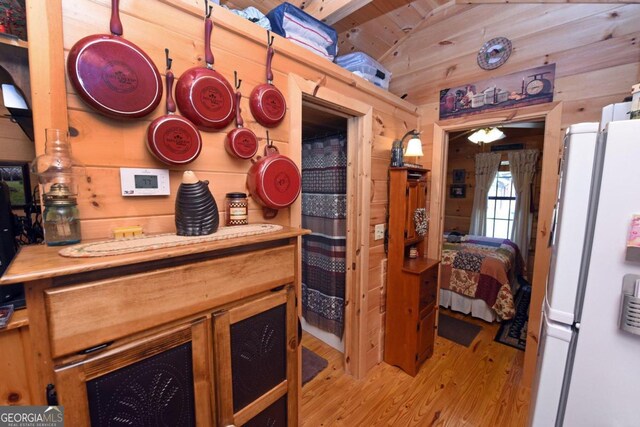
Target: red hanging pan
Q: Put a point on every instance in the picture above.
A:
(203, 95)
(171, 138)
(267, 103)
(273, 181)
(113, 75)
(240, 142)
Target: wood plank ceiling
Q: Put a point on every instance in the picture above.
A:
(375, 28)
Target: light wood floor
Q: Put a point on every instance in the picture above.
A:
(458, 386)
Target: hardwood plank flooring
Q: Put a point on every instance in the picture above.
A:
(476, 386)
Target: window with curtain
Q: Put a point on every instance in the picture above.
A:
(501, 205)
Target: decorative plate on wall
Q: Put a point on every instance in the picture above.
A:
(494, 53)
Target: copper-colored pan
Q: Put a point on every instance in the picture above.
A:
(240, 142)
(267, 103)
(113, 75)
(171, 138)
(203, 95)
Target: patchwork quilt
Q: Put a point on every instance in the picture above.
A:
(482, 268)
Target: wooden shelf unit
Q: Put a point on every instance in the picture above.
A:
(412, 284)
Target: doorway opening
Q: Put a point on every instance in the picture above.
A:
(551, 114)
(359, 118)
(324, 212)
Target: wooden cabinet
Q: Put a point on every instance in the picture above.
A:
(16, 362)
(201, 335)
(412, 284)
(255, 353)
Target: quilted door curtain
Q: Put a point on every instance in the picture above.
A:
(324, 211)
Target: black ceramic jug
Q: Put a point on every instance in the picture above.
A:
(196, 209)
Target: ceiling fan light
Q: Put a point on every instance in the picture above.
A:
(485, 136)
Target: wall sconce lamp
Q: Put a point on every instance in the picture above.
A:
(414, 149)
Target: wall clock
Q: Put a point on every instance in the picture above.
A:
(494, 53)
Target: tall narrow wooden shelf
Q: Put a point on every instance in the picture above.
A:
(411, 283)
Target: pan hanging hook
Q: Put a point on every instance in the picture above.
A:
(207, 9)
(169, 60)
(237, 81)
(269, 39)
(269, 142)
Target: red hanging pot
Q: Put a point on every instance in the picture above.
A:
(274, 181)
(171, 138)
(267, 103)
(113, 75)
(203, 95)
(241, 142)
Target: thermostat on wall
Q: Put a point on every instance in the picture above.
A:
(144, 182)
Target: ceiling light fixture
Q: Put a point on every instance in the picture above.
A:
(487, 135)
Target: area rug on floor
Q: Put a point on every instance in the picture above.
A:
(457, 330)
(312, 365)
(514, 332)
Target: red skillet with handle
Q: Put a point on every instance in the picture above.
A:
(274, 181)
(203, 95)
(267, 103)
(171, 138)
(113, 75)
(240, 142)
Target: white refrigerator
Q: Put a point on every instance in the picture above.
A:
(588, 368)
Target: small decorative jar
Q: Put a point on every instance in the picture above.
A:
(237, 209)
(413, 252)
(61, 222)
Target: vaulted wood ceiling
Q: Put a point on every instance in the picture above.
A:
(375, 26)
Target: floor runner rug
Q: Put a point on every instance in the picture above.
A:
(514, 332)
(457, 330)
(312, 365)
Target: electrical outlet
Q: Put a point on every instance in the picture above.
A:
(378, 232)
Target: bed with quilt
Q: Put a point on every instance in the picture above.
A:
(479, 276)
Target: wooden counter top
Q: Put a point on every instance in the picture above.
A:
(41, 261)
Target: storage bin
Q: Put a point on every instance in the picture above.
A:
(303, 29)
(366, 67)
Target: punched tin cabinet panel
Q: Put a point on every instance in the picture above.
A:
(274, 416)
(154, 391)
(258, 355)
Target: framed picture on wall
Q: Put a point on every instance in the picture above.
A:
(459, 176)
(458, 191)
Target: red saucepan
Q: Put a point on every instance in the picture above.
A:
(171, 138)
(113, 75)
(240, 142)
(203, 95)
(267, 103)
(273, 181)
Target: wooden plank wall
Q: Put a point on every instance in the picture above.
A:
(594, 46)
(457, 212)
(104, 145)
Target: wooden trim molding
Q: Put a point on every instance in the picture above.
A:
(359, 128)
(552, 115)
